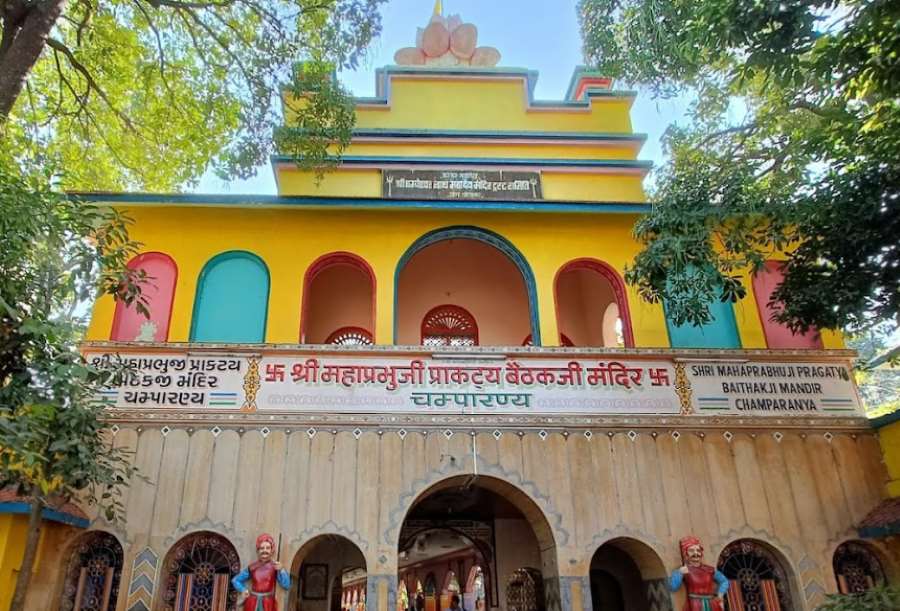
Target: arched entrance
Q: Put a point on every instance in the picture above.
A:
(330, 575)
(627, 575)
(479, 538)
(469, 270)
(591, 305)
(338, 301)
(93, 573)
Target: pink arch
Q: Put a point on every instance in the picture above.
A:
(159, 291)
(323, 263)
(618, 286)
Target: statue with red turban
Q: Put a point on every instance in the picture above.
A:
(263, 576)
(704, 584)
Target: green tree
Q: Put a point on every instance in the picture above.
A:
(55, 254)
(811, 172)
(149, 94)
(884, 598)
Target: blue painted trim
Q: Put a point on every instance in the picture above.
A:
(48, 514)
(886, 419)
(737, 331)
(209, 264)
(494, 135)
(483, 161)
(879, 532)
(275, 201)
(487, 237)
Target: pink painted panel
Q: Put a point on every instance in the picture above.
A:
(778, 335)
(128, 324)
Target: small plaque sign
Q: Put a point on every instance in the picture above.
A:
(483, 185)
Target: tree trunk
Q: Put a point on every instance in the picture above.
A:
(31, 546)
(22, 44)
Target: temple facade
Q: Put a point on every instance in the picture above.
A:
(423, 375)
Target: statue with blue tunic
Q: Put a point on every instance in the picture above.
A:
(263, 576)
(705, 585)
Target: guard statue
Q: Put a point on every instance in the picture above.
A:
(704, 584)
(262, 575)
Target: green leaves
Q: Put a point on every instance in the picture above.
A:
(55, 254)
(882, 598)
(136, 94)
(809, 174)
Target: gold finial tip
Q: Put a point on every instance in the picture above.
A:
(438, 7)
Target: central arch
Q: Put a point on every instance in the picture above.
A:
(469, 525)
(467, 232)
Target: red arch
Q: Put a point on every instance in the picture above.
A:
(618, 286)
(323, 263)
(160, 301)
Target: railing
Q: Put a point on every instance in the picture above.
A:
(282, 381)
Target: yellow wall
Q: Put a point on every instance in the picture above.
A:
(12, 546)
(889, 436)
(557, 186)
(488, 104)
(290, 240)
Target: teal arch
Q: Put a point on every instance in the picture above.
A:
(721, 332)
(232, 299)
(482, 235)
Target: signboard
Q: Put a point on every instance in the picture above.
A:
(373, 384)
(772, 389)
(503, 185)
(336, 383)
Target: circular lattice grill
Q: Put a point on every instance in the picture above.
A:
(200, 568)
(350, 336)
(449, 325)
(759, 575)
(93, 574)
(857, 568)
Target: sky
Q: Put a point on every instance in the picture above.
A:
(539, 35)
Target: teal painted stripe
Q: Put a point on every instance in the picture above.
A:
(223, 403)
(709, 407)
(277, 201)
(839, 409)
(47, 514)
(486, 161)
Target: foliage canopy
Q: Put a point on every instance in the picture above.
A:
(810, 174)
(148, 94)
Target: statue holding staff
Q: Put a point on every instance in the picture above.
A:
(704, 584)
(263, 576)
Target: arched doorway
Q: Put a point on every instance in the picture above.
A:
(758, 576)
(198, 572)
(93, 573)
(482, 528)
(591, 305)
(329, 575)
(158, 294)
(626, 575)
(857, 568)
(474, 270)
(338, 301)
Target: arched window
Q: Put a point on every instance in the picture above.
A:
(758, 581)
(591, 304)
(199, 570)
(449, 325)
(563, 341)
(338, 292)
(93, 574)
(129, 325)
(350, 336)
(232, 300)
(856, 568)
